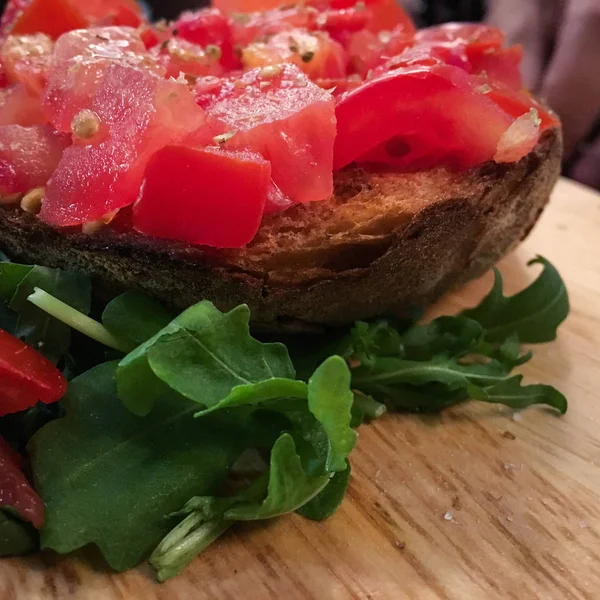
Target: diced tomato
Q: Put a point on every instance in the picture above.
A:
(15, 490)
(517, 103)
(481, 37)
(279, 113)
(338, 87)
(339, 23)
(25, 60)
(28, 157)
(246, 6)
(111, 12)
(180, 56)
(218, 199)
(143, 113)
(20, 107)
(315, 53)
(501, 66)
(209, 27)
(461, 44)
(253, 27)
(3, 80)
(52, 17)
(417, 118)
(26, 377)
(80, 61)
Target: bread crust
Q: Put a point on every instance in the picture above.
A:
(384, 244)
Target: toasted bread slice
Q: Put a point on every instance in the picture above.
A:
(385, 243)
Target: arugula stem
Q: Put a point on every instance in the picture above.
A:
(77, 320)
(191, 537)
(370, 408)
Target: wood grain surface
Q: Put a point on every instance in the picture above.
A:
(477, 503)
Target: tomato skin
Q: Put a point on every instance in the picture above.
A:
(15, 490)
(218, 201)
(427, 117)
(26, 377)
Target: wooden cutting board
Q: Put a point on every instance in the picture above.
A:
(476, 503)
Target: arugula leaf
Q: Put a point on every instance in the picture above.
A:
(109, 478)
(203, 354)
(325, 504)
(389, 371)
(290, 487)
(16, 536)
(330, 400)
(254, 394)
(135, 317)
(449, 336)
(511, 393)
(34, 326)
(533, 314)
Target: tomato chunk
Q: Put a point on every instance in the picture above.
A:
(315, 53)
(209, 27)
(25, 60)
(279, 113)
(180, 56)
(417, 118)
(52, 17)
(15, 490)
(28, 156)
(20, 107)
(142, 113)
(26, 377)
(218, 200)
(80, 62)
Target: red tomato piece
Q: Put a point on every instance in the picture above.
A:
(417, 118)
(338, 87)
(246, 6)
(279, 113)
(52, 17)
(111, 12)
(203, 196)
(28, 156)
(19, 107)
(208, 27)
(26, 377)
(15, 490)
(80, 62)
(315, 53)
(502, 65)
(142, 113)
(25, 60)
(180, 56)
(517, 103)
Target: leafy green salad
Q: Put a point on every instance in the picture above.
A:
(174, 428)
